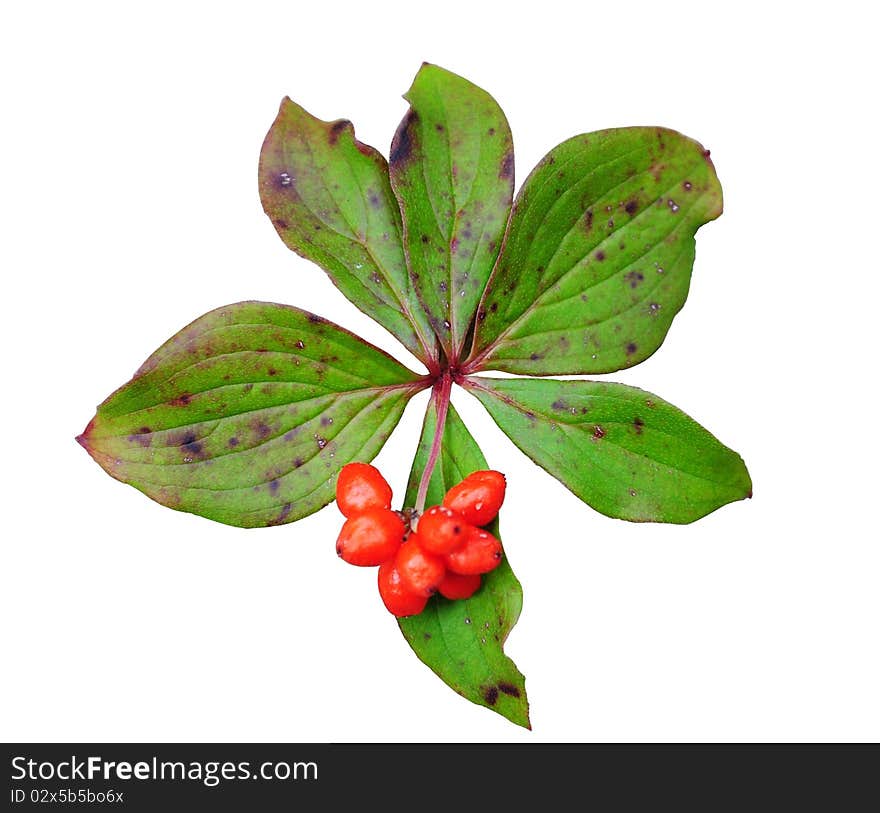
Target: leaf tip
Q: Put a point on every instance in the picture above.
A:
(84, 439)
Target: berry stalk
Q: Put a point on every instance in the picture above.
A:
(442, 390)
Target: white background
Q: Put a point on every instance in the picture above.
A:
(129, 207)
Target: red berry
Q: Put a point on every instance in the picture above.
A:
(359, 487)
(480, 553)
(370, 538)
(420, 571)
(456, 585)
(441, 530)
(398, 599)
(478, 497)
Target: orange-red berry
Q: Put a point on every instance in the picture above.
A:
(420, 571)
(478, 497)
(442, 530)
(480, 553)
(457, 585)
(398, 599)
(359, 487)
(370, 538)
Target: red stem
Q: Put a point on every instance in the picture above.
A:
(442, 390)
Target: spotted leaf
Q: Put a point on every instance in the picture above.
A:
(329, 198)
(620, 449)
(452, 171)
(597, 260)
(463, 641)
(247, 415)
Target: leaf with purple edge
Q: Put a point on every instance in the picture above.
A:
(329, 197)
(451, 168)
(247, 415)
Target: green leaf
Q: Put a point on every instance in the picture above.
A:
(329, 197)
(247, 415)
(620, 449)
(597, 260)
(452, 171)
(463, 641)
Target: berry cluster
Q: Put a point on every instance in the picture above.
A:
(444, 550)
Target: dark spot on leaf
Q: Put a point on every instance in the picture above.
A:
(508, 688)
(336, 128)
(315, 319)
(273, 486)
(297, 463)
(427, 636)
(600, 255)
(262, 350)
(374, 200)
(564, 343)
(272, 371)
(453, 246)
(630, 206)
(536, 356)
(559, 405)
(490, 695)
(481, 316)
(650, 404)
(141, 436)
(493, 307)
(261, 429)
(631, 348)
(506, 170)
(247, 387)
(326, 420)
(530, 415)
(439, 127)
(598, 432)
(233, 442)
(401, 144)
(687, 186)
(300, 344)
(639, 425)
(424, 238)
(280, 224)
(375, 277)
(191, 446)
(491, 131)
(181, 400)
(282, 515)
(634, 278)
(322, 442)
(588, 220)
